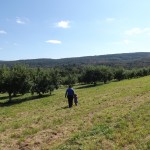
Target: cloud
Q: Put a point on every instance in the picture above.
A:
(3, 32)
(135, 31)
(22, 20)
(54, 42)
(63, 24)
(110, 19)
(19, 21)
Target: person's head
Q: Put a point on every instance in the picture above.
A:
(69, 86)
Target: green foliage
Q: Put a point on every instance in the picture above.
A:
(119, 74)
(40, 82)
(21, 79)
(14, 80)
(94, 74)
(70, 79)
(91, 75)
(106, 74)
(55, 78)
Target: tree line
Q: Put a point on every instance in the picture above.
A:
(22, 79)
(128, 60)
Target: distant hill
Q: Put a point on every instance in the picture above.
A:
(140, 59)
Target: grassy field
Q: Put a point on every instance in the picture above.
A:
(114, 116)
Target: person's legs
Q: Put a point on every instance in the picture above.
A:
(70, 101)
(76, 102)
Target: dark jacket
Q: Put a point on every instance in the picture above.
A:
(69, 92)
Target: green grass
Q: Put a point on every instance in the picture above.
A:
(113, 116)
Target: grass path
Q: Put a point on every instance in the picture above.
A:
(111, 116)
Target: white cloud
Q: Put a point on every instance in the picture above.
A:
(3, 32)
(54, 42)
(63, 24)
(21, 20)
(135, 31)
(110, 19)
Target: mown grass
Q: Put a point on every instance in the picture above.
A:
(110, 116)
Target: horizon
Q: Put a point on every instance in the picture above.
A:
(56, 29)
(75, 57)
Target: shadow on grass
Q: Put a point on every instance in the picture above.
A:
(18, 101)
(4, 98)
(89, 86)
(7, 97)
(65, 107)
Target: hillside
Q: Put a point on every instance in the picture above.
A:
(126, 59)
(110, 116)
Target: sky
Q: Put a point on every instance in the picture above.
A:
(31, 29)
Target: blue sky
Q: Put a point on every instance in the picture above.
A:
(31, 29)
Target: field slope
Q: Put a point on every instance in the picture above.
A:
(110, 116)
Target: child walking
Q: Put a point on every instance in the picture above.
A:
(75, 99)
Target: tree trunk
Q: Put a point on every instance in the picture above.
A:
(39, 94)
(14, 94)
(95, 83)
(50, 92)
(9, 97)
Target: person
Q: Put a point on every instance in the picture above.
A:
(69, 94)
(75, 99)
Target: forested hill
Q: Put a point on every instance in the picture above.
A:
(140, 59)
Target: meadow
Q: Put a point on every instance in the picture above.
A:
(113, 116)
